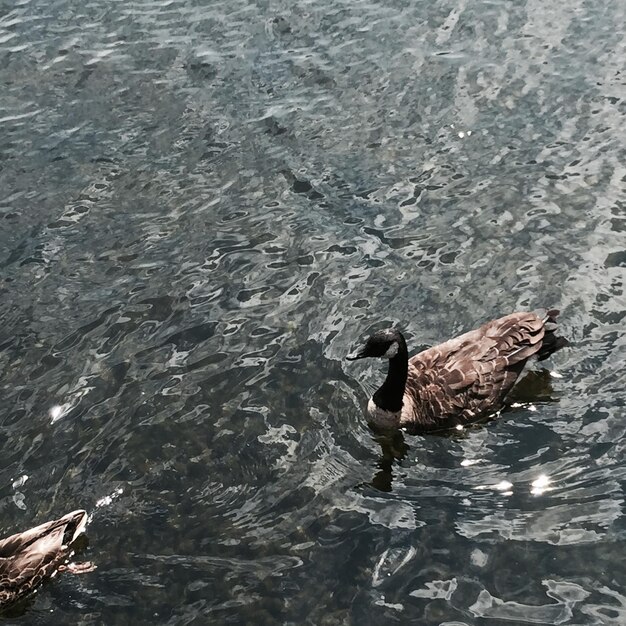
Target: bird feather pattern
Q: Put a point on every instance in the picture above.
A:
(461, 379)
(29, 557)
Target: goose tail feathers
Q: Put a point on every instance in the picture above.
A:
(551, 341)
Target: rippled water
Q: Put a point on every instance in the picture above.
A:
(204, 206)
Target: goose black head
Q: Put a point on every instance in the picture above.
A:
(384, 344)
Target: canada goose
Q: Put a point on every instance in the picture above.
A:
(28, 558)
(460, 380)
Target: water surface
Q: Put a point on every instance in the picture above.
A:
(205, 206)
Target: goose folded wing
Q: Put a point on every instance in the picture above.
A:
(515, 338)
(473, 372)
(24, 572)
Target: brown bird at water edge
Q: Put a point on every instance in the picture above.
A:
(28, 558)
(458, 381)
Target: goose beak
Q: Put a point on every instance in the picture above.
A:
(356, 355)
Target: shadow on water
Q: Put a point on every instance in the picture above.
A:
(19, 609)
(534, 386)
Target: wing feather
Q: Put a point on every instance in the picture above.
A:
(468, 376)
(29, 557)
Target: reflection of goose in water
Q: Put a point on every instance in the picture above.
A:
(458, 381)
(30, 557)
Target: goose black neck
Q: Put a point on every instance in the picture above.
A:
(389, 395)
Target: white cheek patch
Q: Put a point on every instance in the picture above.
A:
(392, 350)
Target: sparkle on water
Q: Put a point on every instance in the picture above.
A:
(204, 205)
(540, 485)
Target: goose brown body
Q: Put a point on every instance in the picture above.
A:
(462, 379)
(28, 558)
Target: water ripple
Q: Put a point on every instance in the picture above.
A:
(204, 207)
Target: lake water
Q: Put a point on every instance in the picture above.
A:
(205, 206)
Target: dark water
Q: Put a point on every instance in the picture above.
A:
(204, 206)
